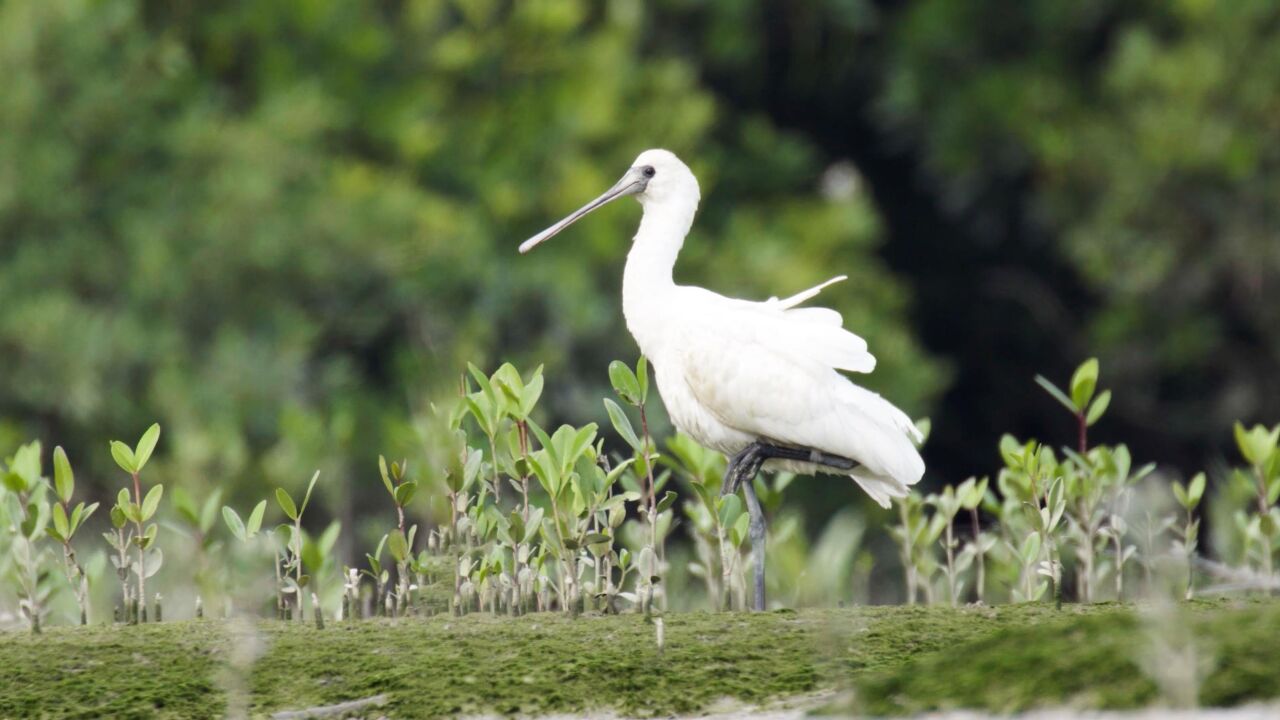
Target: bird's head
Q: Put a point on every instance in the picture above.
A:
(657, 176)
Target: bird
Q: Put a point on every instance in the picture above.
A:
(759, 381)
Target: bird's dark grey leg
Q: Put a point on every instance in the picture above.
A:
(758, 533)
(742, 471)
(733, 472)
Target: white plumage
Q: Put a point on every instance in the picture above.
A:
(733, 372)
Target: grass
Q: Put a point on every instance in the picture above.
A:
(897, 659)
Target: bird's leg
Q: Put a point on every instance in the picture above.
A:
(742, 471)
(758, 529)
(733, 473)
(808, 455)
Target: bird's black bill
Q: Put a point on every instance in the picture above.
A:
(632, 182)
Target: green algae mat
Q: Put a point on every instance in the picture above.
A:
(882, 660)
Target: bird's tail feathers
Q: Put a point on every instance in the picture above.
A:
(882, 488)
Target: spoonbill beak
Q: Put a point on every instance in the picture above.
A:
(633, 182)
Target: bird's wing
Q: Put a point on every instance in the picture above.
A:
(769, 370)
(816, 333)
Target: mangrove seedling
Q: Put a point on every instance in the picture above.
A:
(139, 511)
(66, 521)
(461, 472)
(972, 493)
(1260, 448)
(916, 534)
(521, 397)
(295, 584)
(400, 542)
(1188, 532)
(632, 387)
(489, 408)
(946, 506)
(1081, 402)
(198, 520)
(27, 516)
(379, 575)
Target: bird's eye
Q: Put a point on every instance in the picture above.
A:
(649, 171)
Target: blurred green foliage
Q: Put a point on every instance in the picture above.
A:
(1057, 180)
(1148, 132)
(282, 228)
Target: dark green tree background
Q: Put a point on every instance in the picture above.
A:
(281, 229)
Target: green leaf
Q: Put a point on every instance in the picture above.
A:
(1030, 550)
(234, 524)
(15, 482)
(730, 508)
(667, 501)
(1257, 444)
(535, 522)
(79, 515)
(582, 440)
(625, 383)
(26, 464)
(286, 504)
(1055, 393)
(64, 481)
(209, 515)
(149, 538)
(30, 526)
(386, 477)
(483, 381)
(532, 391)
(642, 378)
(184, 505)
(1098, 407)
(622, 424)
(60, 521)
(1083, 383)
(1196, 490)
(398, 545)
(1180, 493)
(123, 456)
(255, 518)
(146, 446)
(545, 441)
(925, 427)
(151, 502)
(118, 518)
(307, 498)
(405, 493)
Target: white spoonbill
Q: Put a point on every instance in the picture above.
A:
(757, 381)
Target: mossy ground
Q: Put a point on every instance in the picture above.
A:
(895, 658)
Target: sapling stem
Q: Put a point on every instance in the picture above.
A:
(981, 580)
(296, 541)
(951, 562)
(497, 480)
(1116, 538)
(28, 572)
(659, 635)
(1263, 510)
(653, 495)
(457, 558)
(142, 553)
(280, 604)
(317, 611)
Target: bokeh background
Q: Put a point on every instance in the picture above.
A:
(281, 229)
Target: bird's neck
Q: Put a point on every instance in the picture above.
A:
(647, 280)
